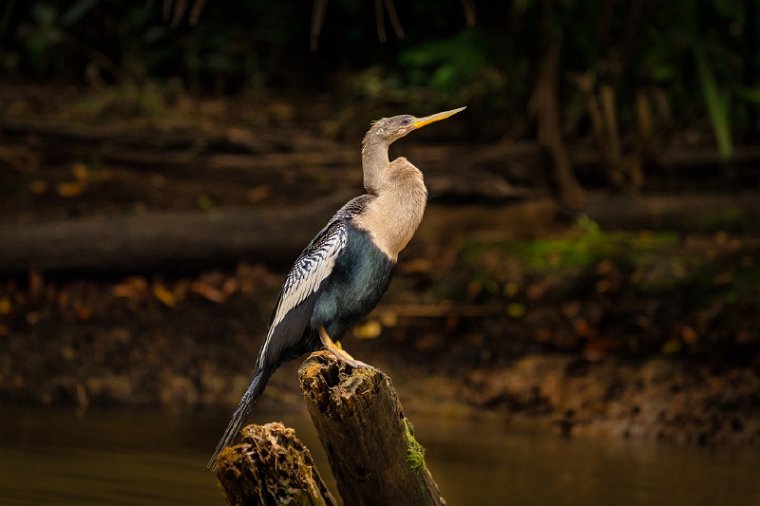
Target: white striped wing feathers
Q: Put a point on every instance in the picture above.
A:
(311, 268)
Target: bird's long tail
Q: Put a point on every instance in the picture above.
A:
(256, 387)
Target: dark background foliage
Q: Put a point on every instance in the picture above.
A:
(695, 60)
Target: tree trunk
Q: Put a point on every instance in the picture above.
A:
(271, 466)
(546, 100)
(369, 442)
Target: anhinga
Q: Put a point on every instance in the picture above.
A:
(346, 268)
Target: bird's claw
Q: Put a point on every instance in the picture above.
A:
(356, 364)
(341, 354)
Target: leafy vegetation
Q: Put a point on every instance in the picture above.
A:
(583, 246)
(622, 54)
(634, 292)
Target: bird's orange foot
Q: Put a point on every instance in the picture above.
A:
(339, 352)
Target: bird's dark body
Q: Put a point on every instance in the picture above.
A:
(360, 277)
(358, 280)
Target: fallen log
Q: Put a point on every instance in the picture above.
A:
(175, 240)
(373, 453)
(167, 239)
(68, 135)
(271, 466)
(231, 149)
(701, 212)
(194, 239)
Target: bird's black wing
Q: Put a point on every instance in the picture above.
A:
(293, 310)
(290, 318)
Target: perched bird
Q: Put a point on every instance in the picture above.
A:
(346, 268)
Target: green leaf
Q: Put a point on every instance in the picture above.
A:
(717, 101)
(748, 94)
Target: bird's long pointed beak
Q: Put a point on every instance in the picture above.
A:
(421, 122)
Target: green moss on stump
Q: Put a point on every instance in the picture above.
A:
(415, 453)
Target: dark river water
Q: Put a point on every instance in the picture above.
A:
(156, 458)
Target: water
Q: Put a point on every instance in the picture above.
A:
(155, 458)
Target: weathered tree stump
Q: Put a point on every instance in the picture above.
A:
(370, 443)
(271, 466)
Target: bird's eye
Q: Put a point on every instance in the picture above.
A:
(405, 121)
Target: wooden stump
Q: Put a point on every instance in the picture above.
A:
(370, 443)
(271, 466)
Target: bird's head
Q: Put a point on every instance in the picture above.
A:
(388, 130)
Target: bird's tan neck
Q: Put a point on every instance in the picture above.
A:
(374, 162)
(392, 217)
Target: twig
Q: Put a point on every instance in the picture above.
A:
(468, 6)
(393, 17)
(380, 21)
(443, 310)
(317, 22)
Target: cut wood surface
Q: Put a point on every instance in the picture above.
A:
(371, 445)
(271, 466)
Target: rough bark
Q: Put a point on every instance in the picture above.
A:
(370, 443)
(270, 467)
